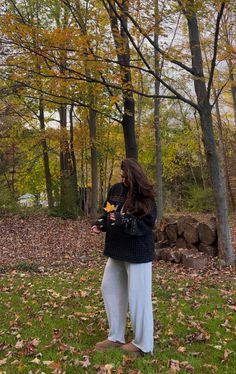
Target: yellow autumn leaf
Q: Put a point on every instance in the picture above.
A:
(109, 207)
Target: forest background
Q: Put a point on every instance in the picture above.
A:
(84, 84)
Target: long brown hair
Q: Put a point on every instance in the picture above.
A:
(140, 197)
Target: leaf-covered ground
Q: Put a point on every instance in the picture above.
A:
(52, 312)
(47, 242)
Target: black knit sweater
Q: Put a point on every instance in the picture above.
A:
(128, 238)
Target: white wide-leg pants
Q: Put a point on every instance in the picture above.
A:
(128, 284)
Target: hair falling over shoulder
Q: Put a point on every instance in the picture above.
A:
(141, 196)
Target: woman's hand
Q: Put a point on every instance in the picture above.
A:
(95, 229)
(112, 216)
(116, 217)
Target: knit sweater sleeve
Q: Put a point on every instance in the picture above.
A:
(133, 225)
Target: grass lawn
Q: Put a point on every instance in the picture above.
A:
(50, 323)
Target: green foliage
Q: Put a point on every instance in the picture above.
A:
(179, 152)
(63, 213)
(199, 199)
(6, 198)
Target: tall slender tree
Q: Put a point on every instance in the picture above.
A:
(205, 111)
(157, 62)
(121, 41)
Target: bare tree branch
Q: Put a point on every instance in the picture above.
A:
(18, 11)
(91, 80)
(150, 70)
(213, 62)
(66, 98)
(219, 92)
(135, 23)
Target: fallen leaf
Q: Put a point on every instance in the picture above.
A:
(19, 344)
(170, 331)
(127, 360)
(29, 349)
(21, 367)
(213, 367)
(186, 366)
(86, 363)
(109, 207)
(197, 337)
(181, 349)
(56, 334)
(35, 342)
(174, 366)
(63, 347)
(14, 362)
(195, 354)
(119, 370)
(108, 368)
(3, 346)
(227, 352)
(47, 363)
(35, 361)
(219, 347)
(3, 362)
(105, 369)
(55, 365)
(83, 293)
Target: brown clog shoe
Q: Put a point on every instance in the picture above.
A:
(107, 344)
(131, 348)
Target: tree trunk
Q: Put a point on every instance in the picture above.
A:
(46, 165)
(94, 173)
(233, 86)
(105, 168)
(219, 188)
(13, 172)
(101, 188)
(200, 153)
(158, 150)
(218, 183)
(139, 107)
(123, 54)
(111, 172)
(73, 158)
(222, 150)
(223, 153)
(69, 198)
(131, 149)
(228, 30)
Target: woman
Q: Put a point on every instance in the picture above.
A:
(129, 244)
